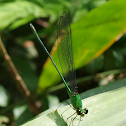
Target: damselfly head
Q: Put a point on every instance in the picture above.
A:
(82, 112)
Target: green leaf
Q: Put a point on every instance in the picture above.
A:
(20, 11)
(21, 21)
(4, 97)
(91, 36)
(95, 3)
(104, 109)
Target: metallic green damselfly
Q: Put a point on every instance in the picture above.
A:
(65, 53)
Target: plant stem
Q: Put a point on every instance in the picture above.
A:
(20, 83)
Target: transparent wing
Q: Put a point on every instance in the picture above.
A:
(65, 51)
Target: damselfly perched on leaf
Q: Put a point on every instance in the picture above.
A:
(65, 53)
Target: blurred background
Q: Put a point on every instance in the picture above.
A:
(97, 63)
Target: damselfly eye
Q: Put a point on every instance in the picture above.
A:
(86, 111)
(79, 112)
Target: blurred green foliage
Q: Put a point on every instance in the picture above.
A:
(91, 35)
(29, 57)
